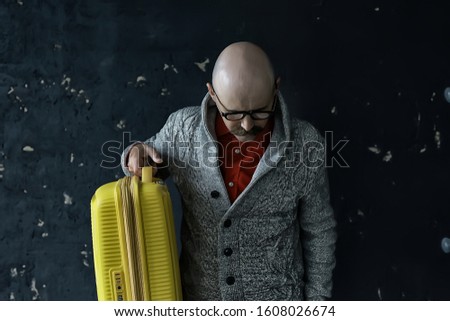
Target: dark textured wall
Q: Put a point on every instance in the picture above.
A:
(76, 74)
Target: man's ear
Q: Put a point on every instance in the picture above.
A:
(277, 83)
(210, 90)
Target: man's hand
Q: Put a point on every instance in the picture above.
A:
(142, 155)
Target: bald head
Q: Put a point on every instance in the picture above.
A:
(243, 75)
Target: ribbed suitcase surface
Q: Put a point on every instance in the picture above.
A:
(134, 244)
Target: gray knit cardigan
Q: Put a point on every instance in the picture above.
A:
(277, 240)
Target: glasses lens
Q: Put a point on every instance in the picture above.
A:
(261, 115)
(237, 116)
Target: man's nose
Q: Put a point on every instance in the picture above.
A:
(247, 123)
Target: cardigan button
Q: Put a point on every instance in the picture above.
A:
(215, 194)
(227, 223)
(228, 251)
(230, 280)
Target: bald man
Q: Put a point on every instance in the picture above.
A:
(257, 221)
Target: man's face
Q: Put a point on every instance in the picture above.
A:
(246, 128)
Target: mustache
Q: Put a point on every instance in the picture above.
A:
(242, 132)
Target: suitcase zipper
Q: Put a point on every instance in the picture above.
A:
(130, 206)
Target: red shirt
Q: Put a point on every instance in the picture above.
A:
(239, 159)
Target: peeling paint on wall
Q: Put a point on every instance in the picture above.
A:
(202, 65)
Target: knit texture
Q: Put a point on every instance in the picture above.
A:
(281, 228)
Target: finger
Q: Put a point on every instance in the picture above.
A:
(138, 172)
(133, 169)
(134, 162)
(154, 155)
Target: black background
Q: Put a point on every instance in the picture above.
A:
(372, 72)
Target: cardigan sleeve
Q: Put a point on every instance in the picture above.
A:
(318, 233)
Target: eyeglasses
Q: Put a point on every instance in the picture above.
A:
(254, 114)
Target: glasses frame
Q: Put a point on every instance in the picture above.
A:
(245, 113)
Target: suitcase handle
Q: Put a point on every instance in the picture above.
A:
(147, 174)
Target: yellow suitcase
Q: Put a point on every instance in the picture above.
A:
(134, 244)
